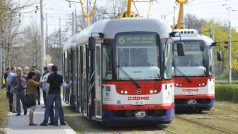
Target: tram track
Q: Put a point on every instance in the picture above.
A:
(115, 131)
(169, 131)
(226, 108)
(204, 125)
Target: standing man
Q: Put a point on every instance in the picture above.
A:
(26, 71)
(44, 87)
(5, 75)
(19, 83)
(38, 76)
(54, 81)
(44, 79)
(10, 88)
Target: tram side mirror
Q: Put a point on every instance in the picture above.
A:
(172, 34)
(180, 49)
(219, 56)
(92, 43)
(214, 44)
(202, 47)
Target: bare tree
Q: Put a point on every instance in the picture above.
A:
(191, 21)
(10, 14)
(32, 43)
(12, 30)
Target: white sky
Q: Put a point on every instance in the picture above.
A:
(207, 9)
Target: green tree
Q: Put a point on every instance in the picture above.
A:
(221, 36)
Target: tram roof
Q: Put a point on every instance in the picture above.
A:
(195, 36)
(110, 27)
(71, 43)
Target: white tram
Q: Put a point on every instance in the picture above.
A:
(193, 67)
(121, 70)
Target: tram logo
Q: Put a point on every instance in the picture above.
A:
(139, 98)
(122, 40)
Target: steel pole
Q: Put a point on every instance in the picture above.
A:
(230, 56)
(73, 23)
(229, 47)
(42, 40)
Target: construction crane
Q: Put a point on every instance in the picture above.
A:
(87, 14)
(179, 24)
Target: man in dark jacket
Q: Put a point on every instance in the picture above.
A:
(54, 81)
(19, 84)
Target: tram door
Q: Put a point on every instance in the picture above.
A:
(98, 85)
(84, 82)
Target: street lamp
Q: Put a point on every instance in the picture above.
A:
(229, 9)
(74, 17)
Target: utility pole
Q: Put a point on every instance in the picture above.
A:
(73, 25)
(75, 20)
(59, 32)
(46, 32)
(42, 36)
(230, 47)
(212, 34)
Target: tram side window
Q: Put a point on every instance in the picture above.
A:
(168, 60)
(107, 62)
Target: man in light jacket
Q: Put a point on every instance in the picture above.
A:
(11, 92)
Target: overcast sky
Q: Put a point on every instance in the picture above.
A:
(207, 9)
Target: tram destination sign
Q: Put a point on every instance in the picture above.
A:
(136, 39)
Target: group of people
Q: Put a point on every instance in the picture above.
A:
(20, 82)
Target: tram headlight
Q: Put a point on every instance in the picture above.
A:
(151, 91)
(126, 92)
(155, 91)
(122, 92)
(203, 84)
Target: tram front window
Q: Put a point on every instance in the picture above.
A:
(137, 57)
(193, 63)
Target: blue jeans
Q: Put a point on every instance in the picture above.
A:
(51, 98)
(61, 114)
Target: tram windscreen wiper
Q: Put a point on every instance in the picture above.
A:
(129, 77)
(186, 77)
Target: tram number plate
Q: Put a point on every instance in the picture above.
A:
(191, 101)
(138, 103)
(190, 93)
(140, 114)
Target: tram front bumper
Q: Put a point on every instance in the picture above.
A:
(182, 105)
(152, 116)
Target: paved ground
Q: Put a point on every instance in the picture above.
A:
(19, 125)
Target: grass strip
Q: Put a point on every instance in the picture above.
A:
(3, 109)
(72, 118)
(227, 92)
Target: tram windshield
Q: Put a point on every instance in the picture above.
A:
(137, 56)
(193, 62)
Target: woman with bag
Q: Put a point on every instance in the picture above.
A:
(31, 87)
